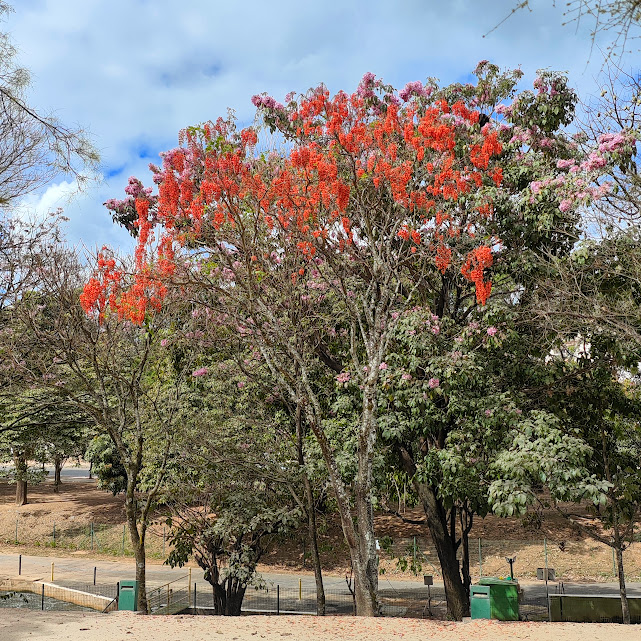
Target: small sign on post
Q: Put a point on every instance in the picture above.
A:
(551, 574)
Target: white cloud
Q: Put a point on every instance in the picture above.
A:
(55, 196)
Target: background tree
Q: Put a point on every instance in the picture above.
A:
(117, 372)
(619, 16)
(34, 147)
(235, 487)
(586, 452)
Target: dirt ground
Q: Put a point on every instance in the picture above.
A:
(126, 626)
(79, 504)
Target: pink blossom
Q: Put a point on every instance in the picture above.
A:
(611, 142)
(406, 377)
(488, 412)
(565, 205)
(199, 372)
(382, 366)
(491, 331)
(433, 382)
(594, 161)
(164, 342)
(413, 89)
(436, 330)
(343, 377)
(241, 384)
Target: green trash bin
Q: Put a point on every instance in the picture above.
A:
(128, 596)
(503, 598)
(480, 601)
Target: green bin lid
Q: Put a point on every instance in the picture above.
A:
(492, 580)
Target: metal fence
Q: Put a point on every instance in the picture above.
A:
(170, 598)
(572, 560)
(52, 597)
(103, 538)
(181, 595)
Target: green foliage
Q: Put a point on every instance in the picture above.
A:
(106, 464)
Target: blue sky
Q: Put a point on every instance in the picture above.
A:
(134, 72)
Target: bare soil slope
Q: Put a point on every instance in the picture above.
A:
(80, 508)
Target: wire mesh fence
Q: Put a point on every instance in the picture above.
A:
(182, 596)
(102, 538)
(52, 597)
(571, 560)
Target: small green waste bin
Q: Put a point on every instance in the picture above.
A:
(128, 595)
(495, 599)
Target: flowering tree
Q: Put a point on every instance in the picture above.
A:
(384, 200)
(344, 217)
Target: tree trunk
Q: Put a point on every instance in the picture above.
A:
(311, 518)
(21, 493)
(235, 596)
(57, 461)
(458, 601)
(313, 541)
(622, 589)
(220, 599)
(360, 539)
(466, 526)
(138, 546)
(20, 463)
(625, 610)
(366, 562)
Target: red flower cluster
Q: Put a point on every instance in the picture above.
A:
(477, 261)
(349, 153)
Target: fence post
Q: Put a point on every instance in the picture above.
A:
(52, 564)
(54, 535)
(547, 588)
(20, 565)
(94, 575)
(42, 601)
(278, 599)
(480, 560)
(195, 599)
(300, 589)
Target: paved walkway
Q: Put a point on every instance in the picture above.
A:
(80, 569)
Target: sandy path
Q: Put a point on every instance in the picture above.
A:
(125, 626)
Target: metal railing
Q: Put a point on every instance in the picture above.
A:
(170, 598)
